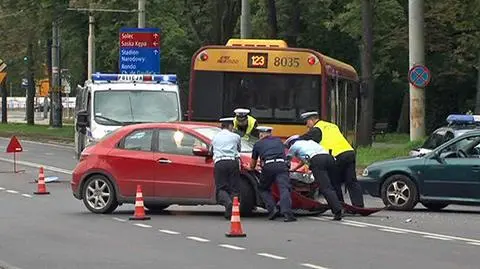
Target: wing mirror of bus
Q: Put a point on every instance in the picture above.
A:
(82, 120)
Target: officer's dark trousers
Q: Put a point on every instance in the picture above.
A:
(276, 172)
(323, 167)
(346, 173)
(227, 176)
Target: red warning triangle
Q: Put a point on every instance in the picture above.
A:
(14, 145)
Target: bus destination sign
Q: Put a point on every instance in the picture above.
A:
(257, 60)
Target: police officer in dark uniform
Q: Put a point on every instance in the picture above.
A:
(330, 138)
(226, 147)
(271, 152)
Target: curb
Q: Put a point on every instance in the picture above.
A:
(4, 265)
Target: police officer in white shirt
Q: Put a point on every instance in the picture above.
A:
(322, 165)
(226, 146)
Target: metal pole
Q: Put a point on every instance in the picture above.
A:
(91, 45)
(245, 26)
(56, 122)
(417, 56)
(141, 13)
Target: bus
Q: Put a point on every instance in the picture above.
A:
(276, 82)
(109, 101)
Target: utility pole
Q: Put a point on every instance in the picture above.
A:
(141, 13)
(31, 86)
(245, 22)
(416, 56)
(56, 107)
(3, 86)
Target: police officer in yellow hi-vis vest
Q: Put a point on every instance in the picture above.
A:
(330, 138)
(244, 124)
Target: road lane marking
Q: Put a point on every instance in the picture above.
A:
(231, 247)
(2, 189)
(49, 154)
(474, 243)
(37, 165)
(142, 225)
(392, 231)
(168, 232)
(313, 266)
(437, 237)
(355, 225)
(12, 191)
(408, 230)
(199, 239)
(119, 219)
(27, 195)
(268, 255)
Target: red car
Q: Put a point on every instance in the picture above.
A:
(172, 163)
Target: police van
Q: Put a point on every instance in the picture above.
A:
(458, 125)
(108, 101)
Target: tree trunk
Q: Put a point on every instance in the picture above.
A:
(366, 120)
(272, 19)
(477, 102)
(30, 113)
(404, 119)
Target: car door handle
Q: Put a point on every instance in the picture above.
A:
(162, 160)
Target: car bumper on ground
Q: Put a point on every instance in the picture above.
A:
(370, 186)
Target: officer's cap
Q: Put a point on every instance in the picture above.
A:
(306, 115)
(292, 139)
(264, 129)
(227, 120)
(241, 112)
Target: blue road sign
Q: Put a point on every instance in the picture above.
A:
(419, 76)
(139, 51)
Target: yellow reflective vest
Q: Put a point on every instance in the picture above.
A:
(250, 124)
(332, 138)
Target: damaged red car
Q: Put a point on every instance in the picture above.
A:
(172, 163)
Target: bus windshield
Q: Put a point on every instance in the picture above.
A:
(271, 97)
(121, 107)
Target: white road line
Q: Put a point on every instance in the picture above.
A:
(409, 231)
(37, 165)
(142, 225)
(199, 239)
(392, 231)
(355, 225)
(12, 191)
(268, 255)
(313, 266)
(49, 154)
(27, 195)
(474, 243)
(2, 189)
(437, 237)
(119, 219)
(168, 232)
(231, 247)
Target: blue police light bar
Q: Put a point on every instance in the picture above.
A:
(167, 78)
(463, 119)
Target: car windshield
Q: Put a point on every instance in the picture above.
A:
(210, 132)
(126, 106)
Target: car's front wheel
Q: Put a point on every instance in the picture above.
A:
(399, 193)
(434, 206)
(99, 195)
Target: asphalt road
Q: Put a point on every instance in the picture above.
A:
(56, 231)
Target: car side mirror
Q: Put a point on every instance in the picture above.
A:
(82, 120)
(438, 158)
(201, 151)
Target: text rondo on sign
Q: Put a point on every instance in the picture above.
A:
(419, 76)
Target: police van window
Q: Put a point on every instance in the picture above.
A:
(177, 142)
(140, 140)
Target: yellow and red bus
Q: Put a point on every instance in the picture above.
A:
(276, 82)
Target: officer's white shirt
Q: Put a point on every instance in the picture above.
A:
(226, 144)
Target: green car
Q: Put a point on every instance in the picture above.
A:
(449, 174)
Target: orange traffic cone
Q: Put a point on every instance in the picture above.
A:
(139, 208)
(41, 187)
(235, 226)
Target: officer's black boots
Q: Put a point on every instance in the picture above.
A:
(228, 211)
(289, 218)
(274, 214)
(338, 216)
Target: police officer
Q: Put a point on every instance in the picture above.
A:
(226, 146)
(244, 124)
(322, 165)
(271, 152)
(330, 137)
